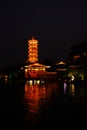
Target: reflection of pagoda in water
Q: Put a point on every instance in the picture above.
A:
(34, 69)
(37, 93)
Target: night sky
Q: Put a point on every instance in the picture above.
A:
(57, 25)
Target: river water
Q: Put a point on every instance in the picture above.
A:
(39, 104)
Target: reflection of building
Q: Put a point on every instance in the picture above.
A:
(34, 93)
(38, 93)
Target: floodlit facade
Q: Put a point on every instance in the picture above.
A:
(35, 70)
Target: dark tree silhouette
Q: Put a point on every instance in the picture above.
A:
(78, 54)
(79, 49)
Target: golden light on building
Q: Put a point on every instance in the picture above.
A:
(32, 50)
(34, 69)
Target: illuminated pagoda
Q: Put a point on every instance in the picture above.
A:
(32, 50)
(34, 69)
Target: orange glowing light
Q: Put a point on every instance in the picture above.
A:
(32, 50)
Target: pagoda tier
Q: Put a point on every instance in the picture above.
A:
(32, 50)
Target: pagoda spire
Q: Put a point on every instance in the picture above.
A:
(32, 37)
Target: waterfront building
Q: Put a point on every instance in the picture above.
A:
(34, 69)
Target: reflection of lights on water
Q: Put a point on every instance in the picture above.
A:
(6, 78)
(37, 95)
(38, 81)
(65, 86)
(35, 82)
(31, 82)
(72, 88)
(33, 94)
(42, 81)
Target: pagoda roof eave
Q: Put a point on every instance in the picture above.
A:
(37, 65)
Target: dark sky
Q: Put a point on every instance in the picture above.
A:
(57, 25)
